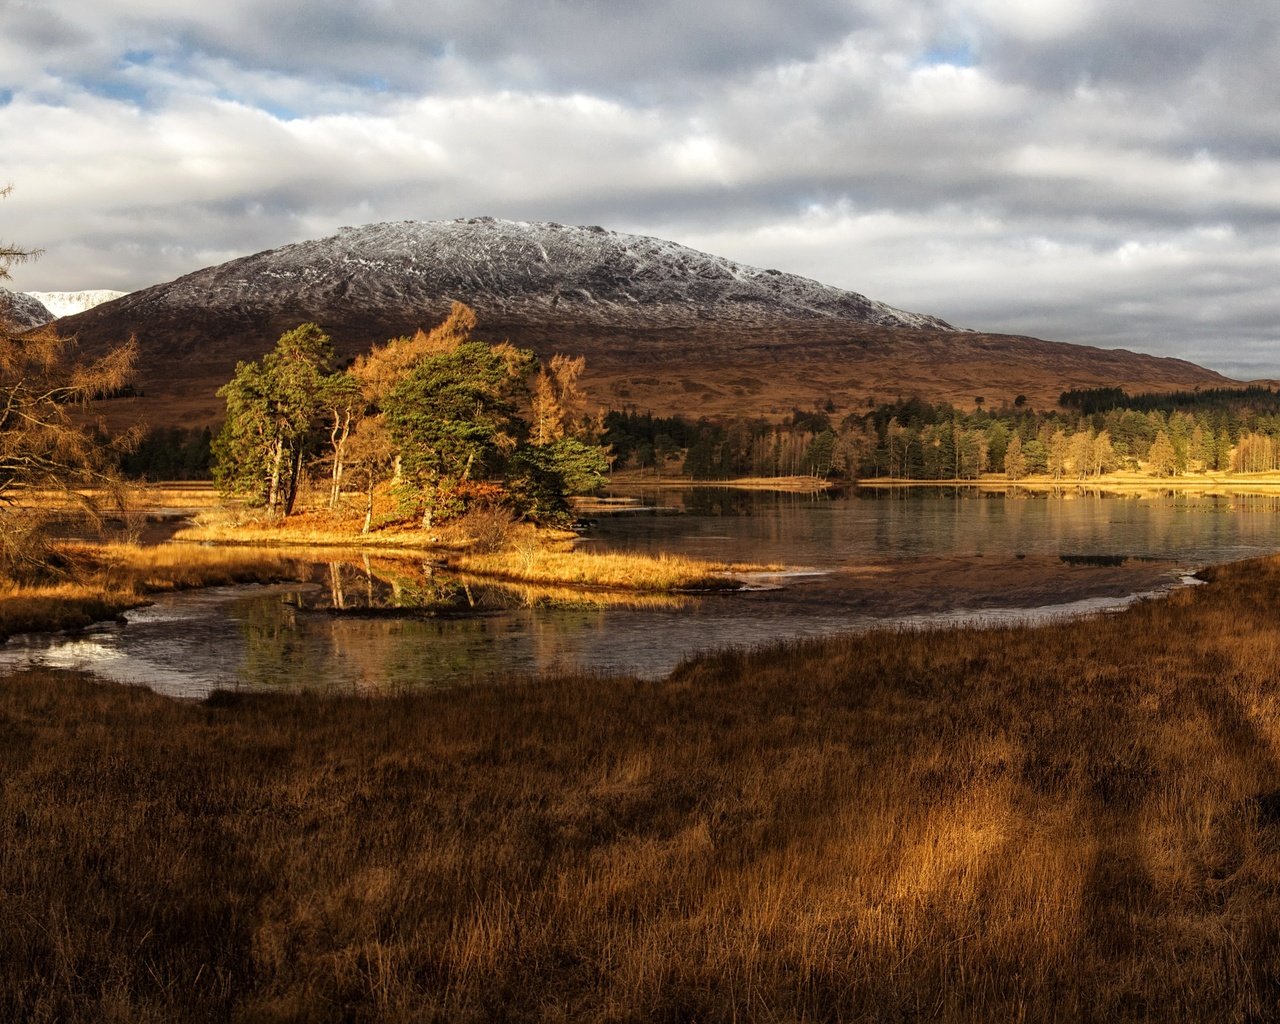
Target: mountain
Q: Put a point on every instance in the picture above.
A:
(22, 309)
(663, 326)
(69, 303)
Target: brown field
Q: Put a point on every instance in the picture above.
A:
(1075, 822)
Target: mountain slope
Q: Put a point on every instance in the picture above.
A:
(23, 310)
(663, 326)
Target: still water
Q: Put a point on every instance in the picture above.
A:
(854, 562)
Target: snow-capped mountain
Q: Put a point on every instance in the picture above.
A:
(663, 326)
(69, 303)
(407, 273)
(23, 310)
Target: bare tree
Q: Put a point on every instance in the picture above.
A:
(45, 440)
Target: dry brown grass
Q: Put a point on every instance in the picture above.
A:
(617, 570)
(103, 580)
(1077, 822)
(527, 554)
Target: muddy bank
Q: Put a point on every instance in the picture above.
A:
(921, 586)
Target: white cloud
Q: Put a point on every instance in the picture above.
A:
(1094, 172)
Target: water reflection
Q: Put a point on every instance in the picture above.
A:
(834, 530)
(375, 624)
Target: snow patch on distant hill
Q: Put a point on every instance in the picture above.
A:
(23, 309)
(69, 303)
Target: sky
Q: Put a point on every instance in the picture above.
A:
(1079, 170)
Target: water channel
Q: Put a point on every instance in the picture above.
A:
(852, 562)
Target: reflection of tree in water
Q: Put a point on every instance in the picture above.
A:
(719, 501)
(384, 625)
(277, 651)
(291, 647)
(387, 585)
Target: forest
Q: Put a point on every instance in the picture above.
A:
(1088, 433)
(1228, 430)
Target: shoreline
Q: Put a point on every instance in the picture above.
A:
(1110, 483)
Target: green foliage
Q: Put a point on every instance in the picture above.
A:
(454, 415)
(273, 411)
(170, 453)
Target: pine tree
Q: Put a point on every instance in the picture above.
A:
(273, 410)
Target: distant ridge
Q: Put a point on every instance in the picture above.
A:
(69, 303)
(23, 310)
(663, 326)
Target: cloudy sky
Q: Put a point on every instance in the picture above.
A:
(1103, 172)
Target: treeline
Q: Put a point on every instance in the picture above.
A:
(804, 444)
(170, 453)
(1222, 430)
(1261, 400)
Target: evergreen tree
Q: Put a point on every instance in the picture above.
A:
(454, 415)
(273, 408)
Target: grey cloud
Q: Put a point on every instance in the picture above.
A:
(1069, 184)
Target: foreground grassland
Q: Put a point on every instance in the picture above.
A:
(1076, 822)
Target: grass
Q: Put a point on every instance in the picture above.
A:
(103, 580)
(519, 552)
(611, 570)
(1119, 482)
(1073, 822)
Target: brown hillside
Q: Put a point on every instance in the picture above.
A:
(718, 372)
(663, 327)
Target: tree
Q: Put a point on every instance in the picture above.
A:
(557, 401)
(44, 442)
(453, 415)
(1162, 460)
(1058, 454)
(1015, 463)
(273, 410)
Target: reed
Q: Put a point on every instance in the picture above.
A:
(1074, 822)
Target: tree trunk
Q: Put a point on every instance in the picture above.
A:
(295, 470)
(273, 492)
(368, 506)
(338, 438)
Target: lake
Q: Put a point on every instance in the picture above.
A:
(911, 558)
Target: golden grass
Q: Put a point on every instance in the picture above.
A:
(1079, 822)
(647, 479)
(107, 579)
(616, 570)
(141, 497)
(528, 555)
(1125, 482)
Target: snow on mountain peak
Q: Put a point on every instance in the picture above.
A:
(69, 303)
(513, 271)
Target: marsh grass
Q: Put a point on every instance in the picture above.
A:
(536, 563)
(93, 582)
(525, 553)
(1073, 822)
